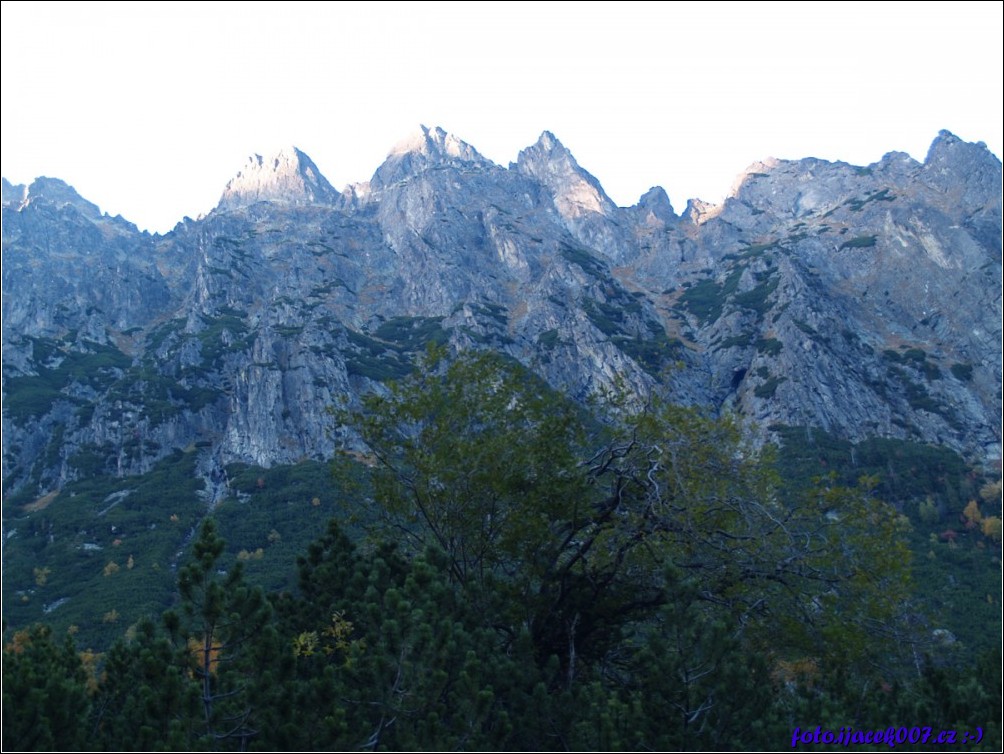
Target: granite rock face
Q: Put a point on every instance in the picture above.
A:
(289, 177)
(862, 299)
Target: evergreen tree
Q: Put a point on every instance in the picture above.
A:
(220, 620)
(146, 699)
(45, 698)
(388, 655)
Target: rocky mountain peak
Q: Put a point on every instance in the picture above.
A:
(51, 191)
(756, 169)
(945, 140)
(948, 151)
(655, 207)
(969, 176)
(435, 142)
(550, 144)
(424, 148)
(14, 194)
(699, 211)
(288, 177)
(821, 294)
(576, 191)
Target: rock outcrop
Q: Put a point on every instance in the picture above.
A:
(862, 299)
(288, 177)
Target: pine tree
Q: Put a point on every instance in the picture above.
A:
(146, 698)
(221, 619)
(45, 698)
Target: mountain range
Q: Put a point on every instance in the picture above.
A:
(861, 300)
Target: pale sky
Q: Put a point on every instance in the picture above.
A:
(148, 109)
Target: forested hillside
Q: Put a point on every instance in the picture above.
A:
(507, 570)
(467, 456)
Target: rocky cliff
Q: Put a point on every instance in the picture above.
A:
(865, 300)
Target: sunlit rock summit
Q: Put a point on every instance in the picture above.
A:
(289, 177)
(864, 300)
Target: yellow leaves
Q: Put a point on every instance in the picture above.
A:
(339, 631)
(305, 644)
(802, 672)
(274, 537)
(111, 568)
(111, 616)
(42, 576)
(868, 483)
(90, 661)
(972, 512)
(18, 643)
(205, 654)
(130, 563)
(973, 517)
(992, 528)
(991, 492)
(336, 638)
